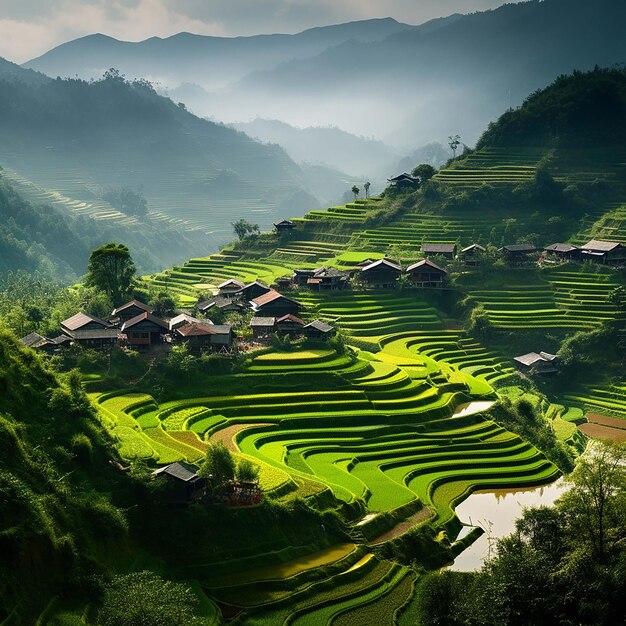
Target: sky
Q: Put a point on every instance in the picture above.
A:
(29, 28)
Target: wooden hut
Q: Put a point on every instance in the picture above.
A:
(274, 304)
(145, 331)
(425, 273)
(381, 274)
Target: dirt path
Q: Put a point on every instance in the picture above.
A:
(227, 435)
(404, 526)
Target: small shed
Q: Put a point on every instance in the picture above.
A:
(447, 250)
(186, 484)
(404, 181)
(145, 330)
(129, 310)
(274, 304)
(38, 342)
(318, 330)
(425, 273)
(262, 327)
(206, 337)
(284, 226)
(542, 363)
(381, 274)
(471, 255)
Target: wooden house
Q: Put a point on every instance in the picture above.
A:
(184, 319)
(262, 327)
(186, 485)
(284, 226)
(562, 251)
(517, 254)
(608, 252)
(381, 274)
(89, 331)
(145, 331)
(289, 325)
(220, 303)
(230, 288)
(206, 337)
(318, 330)
(404, 181)
(83, 321)
(541, 363)
(471, 255)
(447, 250)
(39, 342)
(284, 282)
(274, 304)
(425, 273)
(253, 290)
(129, 310)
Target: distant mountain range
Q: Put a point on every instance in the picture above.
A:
(407, 85)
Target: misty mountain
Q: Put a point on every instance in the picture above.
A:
(414, 87)
(326, 145)
(77, 138)
(207, 62)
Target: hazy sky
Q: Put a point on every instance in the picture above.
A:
(30, 27)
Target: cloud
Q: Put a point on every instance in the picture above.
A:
(30, 27)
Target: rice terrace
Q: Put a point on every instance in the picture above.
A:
(280, 432)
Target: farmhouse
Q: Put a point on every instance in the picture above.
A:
(517, 254)
(230, 288)
(289, 325)
(206, 337)
(425, 273)
(472, 254)
(253, 290)
(537, 363)
(318, 330)
(381, 274)
(227, 305)
(83, 321)
(275, 304)
(129, 310)
(38, 342)
(447, 250)
(284, 226)
(321, 278)
(609, 252)
(562, 251)
(145, 331)
(89, 331)
(404, 181)
(262, 327)
(184, 319)
(185, 482)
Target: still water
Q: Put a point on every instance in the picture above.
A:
(496, 512)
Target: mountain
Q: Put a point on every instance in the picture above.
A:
(207, 61)
(78, 140)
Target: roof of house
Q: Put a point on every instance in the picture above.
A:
(60, 339)
(382, 263)
(185, 318)
(560, 247)
(128, 305)
(598, 245)
(425, 263)
(404, 176)
(262, 322)
(97, 333)
(438, 248)
(290, 318)
(180, 471)
(147, 317)
(519, 247)
(287, 223)
(199, 329)
(534, 357)
(323, 327)
(35, 340)
(82, 319)
(219, 302)
(271, 296)
(472, 247)
(231, 282)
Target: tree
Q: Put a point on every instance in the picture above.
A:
(145, 599)
(424, 172)
(244, 229)
(367, 186)
(218, 466)
(454, 141)
(111, 270)
(617, 297)
(355, 191)
(247, 471)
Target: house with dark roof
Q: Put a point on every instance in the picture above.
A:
(472, 255)
(541, 363)
(318, 330)
(38, 342)
(381, 274)
(284, 226)
(220, 303)
(321, 278)
(83, 321)
(145, 331)
(262, 328)
(185, 483)
(404, 181)
(89, 331)
(129, 310)
(206, 337)
(230, 288)
(184, 319)
(447, 250)
(253, 290)
(289, 324)
(562, 251)
(517, 254)
(609, 252)
(425, 273)
(274, 304)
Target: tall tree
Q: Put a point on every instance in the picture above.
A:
(111, 269)
(244, 229)
(424, 172)
(454, 141)
(355, 191)
(367, 186)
